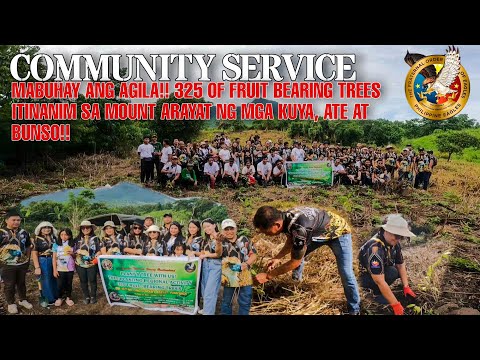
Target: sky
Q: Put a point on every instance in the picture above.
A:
(382, 63)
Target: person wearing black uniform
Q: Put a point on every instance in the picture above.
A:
(87, 249)
(157, 152)
(42, 255)
(307, 229)
(15, 249)
(381, 262)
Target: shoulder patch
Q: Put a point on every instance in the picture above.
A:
(375, 264)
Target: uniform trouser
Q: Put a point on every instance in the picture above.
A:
(282, 180)
(342, 249)
(426, 179)
(14, 276)
(366, 281)
(64, 283)
(88, 276)
(156, 164)
(228, 179)
(146, 170)
(419, 179)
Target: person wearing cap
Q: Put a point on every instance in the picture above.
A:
(136, 239)
(264, 172)
(145, 151)
(171, 172)
(42, 255)
(238, 256)
(112, 243)
(231, 172)
(154, 245)
(381, 262)
(157, 152)
(87, 248)
(15, 249)
(307, 229)
(188, 176)
(211, 171)
(211, 256)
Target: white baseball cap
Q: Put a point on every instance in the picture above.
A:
(228, 223)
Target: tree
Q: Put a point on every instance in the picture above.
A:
(454, 142)
(78, 207)
(179, 129)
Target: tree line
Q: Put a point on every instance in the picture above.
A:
(94, 136)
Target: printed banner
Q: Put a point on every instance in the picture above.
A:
(152, 283)
(309, 173)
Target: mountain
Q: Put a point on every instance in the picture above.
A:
(123, 193)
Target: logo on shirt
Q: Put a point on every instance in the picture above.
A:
(375, 264)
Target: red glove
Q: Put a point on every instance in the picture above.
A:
(408, 291)
(397, 308)
(95, 261)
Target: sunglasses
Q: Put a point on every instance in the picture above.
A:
(399, 237)
(85, 227)
(137, 227)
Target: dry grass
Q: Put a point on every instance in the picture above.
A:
(450, 208)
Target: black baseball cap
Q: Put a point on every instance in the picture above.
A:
(167, 214)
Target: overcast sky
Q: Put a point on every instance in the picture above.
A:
(382, 63)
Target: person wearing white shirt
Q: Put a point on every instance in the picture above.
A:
(298, 154)
(279, 174)
(211, 170)
(224, 154)
(264, 171)
(166, 155)
(171, 172)
(231, 173)
(338, 171)
(145, 151)
(275, 158)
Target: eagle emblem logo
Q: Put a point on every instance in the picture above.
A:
(437, 87)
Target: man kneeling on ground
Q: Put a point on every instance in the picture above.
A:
(381, 261)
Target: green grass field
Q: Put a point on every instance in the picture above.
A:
(428, 142)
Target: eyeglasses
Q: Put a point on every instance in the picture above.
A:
(399, 237)
(137, 227)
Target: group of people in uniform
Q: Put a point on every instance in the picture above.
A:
(223, 160)
(227, 258)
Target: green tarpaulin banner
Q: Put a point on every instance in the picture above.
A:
(151, 282)
(309, 173)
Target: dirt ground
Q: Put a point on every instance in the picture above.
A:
(447, 215)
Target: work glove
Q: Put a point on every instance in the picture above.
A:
(397, 308)
(409, 292)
